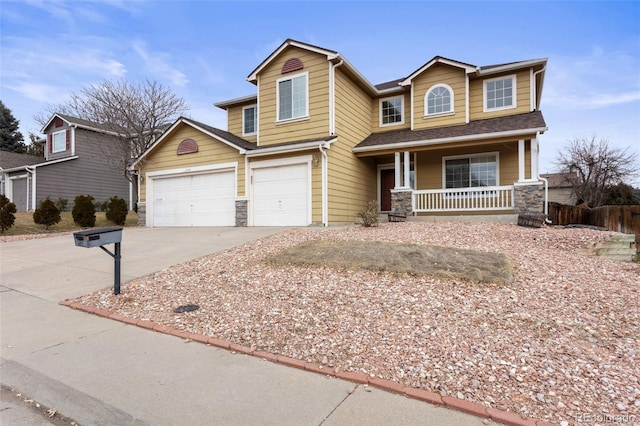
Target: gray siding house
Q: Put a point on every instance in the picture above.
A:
(78, 160)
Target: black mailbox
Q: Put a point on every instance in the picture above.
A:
(98, 237)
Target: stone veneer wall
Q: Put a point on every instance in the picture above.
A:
(529, 197)
(401, 201)
(241, 212)
(142, 214)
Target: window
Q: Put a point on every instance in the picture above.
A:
(473, 171)
(439, 100)
(249, 120)
(292, 97)
(59, 141)
(499, 93)
(391, 111)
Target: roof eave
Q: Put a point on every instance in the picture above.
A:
(305, 146)
(231, 102)
(438, 141)
(511, 67)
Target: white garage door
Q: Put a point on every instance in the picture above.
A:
(195, 200)
(281, 196)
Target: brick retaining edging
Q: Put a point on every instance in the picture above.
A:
(500, 416)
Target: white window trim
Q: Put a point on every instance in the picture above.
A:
(255, 119)
(401, 111)
(457, 157)
(438, 114)
(514, 95)
(53, 141)
(291, 77)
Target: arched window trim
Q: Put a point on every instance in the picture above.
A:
(426, 101)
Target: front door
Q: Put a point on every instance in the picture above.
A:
(387, 183)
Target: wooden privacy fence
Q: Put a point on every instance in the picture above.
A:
(625, 219)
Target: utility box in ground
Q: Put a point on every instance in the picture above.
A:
(98, 237)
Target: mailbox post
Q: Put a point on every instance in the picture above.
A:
(98, 237)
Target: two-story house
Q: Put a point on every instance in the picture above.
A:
(318, 141)
(79, 160)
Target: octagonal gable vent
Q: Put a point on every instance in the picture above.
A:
(293, 64)
(187, 146)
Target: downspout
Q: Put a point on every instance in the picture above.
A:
(325, 187)
(31, 170)
(546, 187)
(535, 91)
(332, 98)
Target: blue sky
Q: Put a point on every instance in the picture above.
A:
(204, 50)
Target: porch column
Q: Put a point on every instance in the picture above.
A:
(397, 170)
(521, 152)
(534, 159)
(406, 182)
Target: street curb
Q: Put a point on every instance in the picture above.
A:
(468, 407)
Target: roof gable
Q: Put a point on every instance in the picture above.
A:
(223, 136)
(468, 68)
(78, 122)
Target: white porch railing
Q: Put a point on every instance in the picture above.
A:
(461, 199)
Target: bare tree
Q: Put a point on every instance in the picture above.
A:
(597, 165)
(136, 113)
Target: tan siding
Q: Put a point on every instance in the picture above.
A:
(440, 74)
(210, 151)
(317, 125)
(375, 116)
(523, 100)
(352, 181)
(234, 122)
(429, 171)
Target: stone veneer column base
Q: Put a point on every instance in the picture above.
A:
(529, 197)
(241, 213)
(401, 201)
(142, 214)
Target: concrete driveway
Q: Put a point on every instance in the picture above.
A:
(55, 269)
(103, 372)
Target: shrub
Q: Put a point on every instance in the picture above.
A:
(47, 214)
(62, 204)
(117, 210)
(370, 214)
(7, 210)
(84, 212)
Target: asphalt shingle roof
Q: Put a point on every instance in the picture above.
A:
(530, 120)
(9, 160)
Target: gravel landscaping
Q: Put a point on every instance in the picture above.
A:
(559, 343)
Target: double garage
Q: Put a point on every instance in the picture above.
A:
(279, 194)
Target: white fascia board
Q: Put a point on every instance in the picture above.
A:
(46, 163)
(161, 138)
(510, 67)
(289, 148)
(51, 120)
(467, 69)
(231, 102)
(466, 138)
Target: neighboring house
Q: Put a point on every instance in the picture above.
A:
(317, 142)
(78, 161)
(561, 187)
(14, 185)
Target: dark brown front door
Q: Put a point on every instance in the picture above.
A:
(387, 183)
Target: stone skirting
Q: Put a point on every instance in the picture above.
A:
(142, 214)
(241, 213)
(401, 201)
(529, 197)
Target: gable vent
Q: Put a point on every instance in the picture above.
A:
(293, 64)
(187, 146)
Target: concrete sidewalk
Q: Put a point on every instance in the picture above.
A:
(103, 372)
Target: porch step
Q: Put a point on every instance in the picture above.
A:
(619, 247)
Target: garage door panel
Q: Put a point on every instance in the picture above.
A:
(195, 200)
(281, 195)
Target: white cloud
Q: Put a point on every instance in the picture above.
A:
(598, 79)
(158, 64)
(39, 92)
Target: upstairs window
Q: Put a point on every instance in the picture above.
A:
(471, 171)
(292, 97)
(249, 120)
(499, 93)
(59, 141)
(439, 100)
(391, 111)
